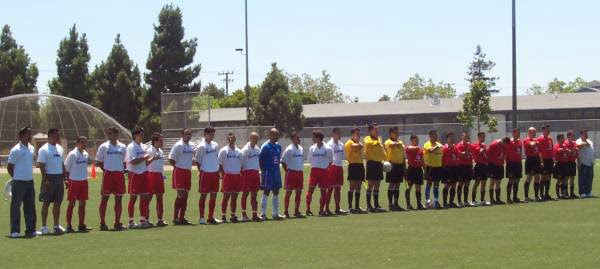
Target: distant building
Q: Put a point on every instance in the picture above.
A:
(592, 86)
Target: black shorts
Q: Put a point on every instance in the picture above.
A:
(466, 172)
(548, 166)
(414, 175)
(397, 173)
(451, 174)
(374, 170)
(514, 169)
(434, 173)
(571, 169)
(533, 166)
(54, 191)
(356, 172)
(561, 169)
(480, 171)
(496, 171)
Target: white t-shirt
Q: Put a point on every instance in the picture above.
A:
(206, 156)
(320, 157)
(21, 157)
(250, 157)
(231, 160)
(52, 157)
(135, 151)
(338, 152)
(182, 154)
(155, 166)
(113, 156)
(76, 164)
(293, 157)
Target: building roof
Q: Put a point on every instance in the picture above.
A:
(422, 106)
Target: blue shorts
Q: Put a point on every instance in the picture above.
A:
(270, 180)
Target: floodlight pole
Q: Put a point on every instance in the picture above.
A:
(514, 67)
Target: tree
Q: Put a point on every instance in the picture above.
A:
(17, 74)
(212, 90)
(384, 98)
(535, 89)
(558, 86)
(72, 68)
(169, 64)
(118, 76)
(321, 88)
(418, 87)
(476, 102)
(277, 105)
(238, 98)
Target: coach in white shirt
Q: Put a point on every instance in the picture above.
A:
(20, 169)
(50, 161)
(586, 161)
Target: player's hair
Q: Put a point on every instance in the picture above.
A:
(516, 130)
(393, 130)
(506, 140)
(335, 130)
(570, 133)
(413, 137)
(80, 138)
(230, 134)
(318, 134)
(183, 130)
(52, 131)
(293, 134)
(545, 126)
(209, 130)
(156, 136)
(583, 131)
(432, 132)
(354, 130)
(112, 130)
(24, 130)
(372, 126)
(480, 134)
(449, 134)
(560, 136)
(136, 130)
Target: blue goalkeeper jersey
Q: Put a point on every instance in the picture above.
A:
(270, 154)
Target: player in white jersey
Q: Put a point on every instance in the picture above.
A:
(292, 161)
(336, 170)
(181, 158)
(250, 176)
(76, 173)
(156, 178)
(230, 167)
(320, 156)
(136, 158)
(110, 157)
(50, 161)
(208, 166)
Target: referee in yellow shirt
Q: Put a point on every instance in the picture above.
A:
(375, 155)
(394, 149)
(356, 170)
(432, 155)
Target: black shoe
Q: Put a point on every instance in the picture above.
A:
(83, 228)
(420, 206)
(119, 227)
(70, 229)
(361, 211)
(499, 202)
(573, 196)
(517, 201)
(233, 219)
(399, 208)
(341, 212)
(161, 223)
(322, 214)
(286, 214)
(352, 211)
(371, 209)
(409, 207)
(298, 215)
(379, 210)
(103, 227)
(176, 222)
(184, 222)
(527, 199)
(329, 213)
(309, 213)
(437, 205)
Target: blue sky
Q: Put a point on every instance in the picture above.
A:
(369, 47)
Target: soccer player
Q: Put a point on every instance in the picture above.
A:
(480, 171)
(465, 174)
(181, 158)
(414, 172)
(561, 156)
(320, 156)
(208, 166)
(269, 158)
(50, 162)
(356, 170)
(395, 155)
(514, 166)
(451, 166)
(375, 155)
(250, 176)
(110, 157)
(292, 161)
(136, 158)
(76, 173)
(533, 164)
(433, 168)
(572, 165)
(336, 170)
(230, 167)
(156, 178)
(496, 153)
(545, 145)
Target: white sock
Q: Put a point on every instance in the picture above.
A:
(275, 205)
(263, 204)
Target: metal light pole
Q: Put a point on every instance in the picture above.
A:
(247, 88)
(514, 67)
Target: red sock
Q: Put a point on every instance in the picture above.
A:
(145, 210)
(287, 200)
(118, 210)
(253, 203)
(336, 195)
(69, 215)
(81, 213)
(202, 205)
(233, 205)
(323, 200)
(223, 206)
(159, 208)
(182, 208)
(211, 208)
(329, 193)
(176, 208)
(297, 199)
(131, 208)
(308, 200)
(103, 204)
(244, 197)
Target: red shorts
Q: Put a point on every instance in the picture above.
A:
(138, 183)
(113, 183)
(250, 180)
(294, 180)
(209, 182)
(182, 179)
(319, 177)
(232, 183)
(336, 176)
(78, 190)
(156, 183)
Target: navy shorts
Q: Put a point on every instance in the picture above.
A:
(270, 180)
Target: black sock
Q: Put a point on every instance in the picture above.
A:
(445, 195)
(572, 188)
(369, 199)
(452, 194)
(497, 194)
(536, 189)
(407, 197)
(474, 194)
(526, 187)
(466, 192)
(356, 199)
(508, 190)
(515, 190)
(482, 195)
(565, 190)
(459, 194)
(418, 195)
(547, 188)
(350, 196)
(396, 197)
(491, 195)
(390, 196)
(376, 198)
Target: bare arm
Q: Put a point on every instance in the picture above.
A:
(11, 169)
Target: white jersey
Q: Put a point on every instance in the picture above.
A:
(113, 156)
(21, 156)
(155, 166)
(206, 156)
(52, 157)
(293, 157)
(338, 152)
(135, 151)
(250, 156)
(320, 157)
(76, 164)
(231, 160)
(182, 154)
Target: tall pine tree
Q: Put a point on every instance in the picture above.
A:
(118, 77)
(72, 68)
(17, 74)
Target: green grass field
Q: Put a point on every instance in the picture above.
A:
(536, 235)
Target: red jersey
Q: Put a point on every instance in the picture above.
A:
(514, 150)
(531, 151)
(414, 156)
(479, 152)
(572, 145)
(464, 153)
(450, 156)
(545, 146)
(560, 153)
(495, 153)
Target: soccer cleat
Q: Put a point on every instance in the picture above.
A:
(132, 225)
(527, 199)
(370, 209)
(59, 229)
(70, 229)
(45, 230)
(14, 235)
(352, 211)
(145, 225)
(328, 212)
(33, 234)
(103, 227)
(309, 213)
(420, 206)
(119, 226)
(83, 228)
(278, 217)
(437, 205)
(223, 219)
(573, 196)
(299, 215)
(161, 223)
(472, 204)
(379, 210)
(175, 222)
(362, 211)
(214, 221)
(286, 214)
(184, 222)
(341, 212)
(263, 217)
(233, 219)
(516, 200)
(245, 218)
(460, 205)
(409, 207)
(256, 218)
(202, 221)
(499, 202)
(429, 202)
(322, 214)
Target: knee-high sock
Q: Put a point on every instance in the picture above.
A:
(369, 199)
(118, 211)
(482, 194)
(407, 197)
(69, 214)
(557, 187)
(445, 195)
(253, 203)
(308, 200)
(275, 205)
(243, 202)
(436, 193)
(572, 189)
(183, 207)
(357, 199)
(211, 207)
(418, 196)
(427, 191)
(536, 189)
(337, 197)
(474, 193)
(159, 207)
(466, 192)
(102, 209)
(526, 188)
(515, 189)
(202, 206)
(224, 203)
(176, 205)
(396, 197)
(459, 194)
(286, 201)
(508, 190)
(81, 214)
(233, 206)
(131, 208)
(376, 198)
(297, 200)
(498, 193)
(322, 200)
(452, 194)
(350, 196)
(491, 194)
(263, 204)
(390, 196)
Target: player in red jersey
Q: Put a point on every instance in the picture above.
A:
(414, 173)
(480, 171)
(465, 175)
(561, 156)
(533, 164)
(514, 166)
(572, 166)
(545, 145)
(495, 153)
(451, 163)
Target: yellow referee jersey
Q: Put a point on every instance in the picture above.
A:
(353, 155)
(374, 150)
(433, 159)
(394, 151)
